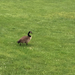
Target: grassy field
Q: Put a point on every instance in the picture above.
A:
(51, 50)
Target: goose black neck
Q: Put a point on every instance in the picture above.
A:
(29, 35)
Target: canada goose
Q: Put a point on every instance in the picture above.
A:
(25, 39)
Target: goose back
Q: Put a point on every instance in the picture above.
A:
(25, 39)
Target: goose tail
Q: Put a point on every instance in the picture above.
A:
(18, 41)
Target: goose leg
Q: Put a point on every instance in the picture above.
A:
(26, 43)
(20, 44)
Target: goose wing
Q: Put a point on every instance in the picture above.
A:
(25, 39)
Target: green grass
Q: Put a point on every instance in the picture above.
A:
(51, 50)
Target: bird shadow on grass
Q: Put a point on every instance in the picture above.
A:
(24, 45)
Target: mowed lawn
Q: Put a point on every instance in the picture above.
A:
(51, 50)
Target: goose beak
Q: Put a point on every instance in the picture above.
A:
(31, 32)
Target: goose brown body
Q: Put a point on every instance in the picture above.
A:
(25, 39)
